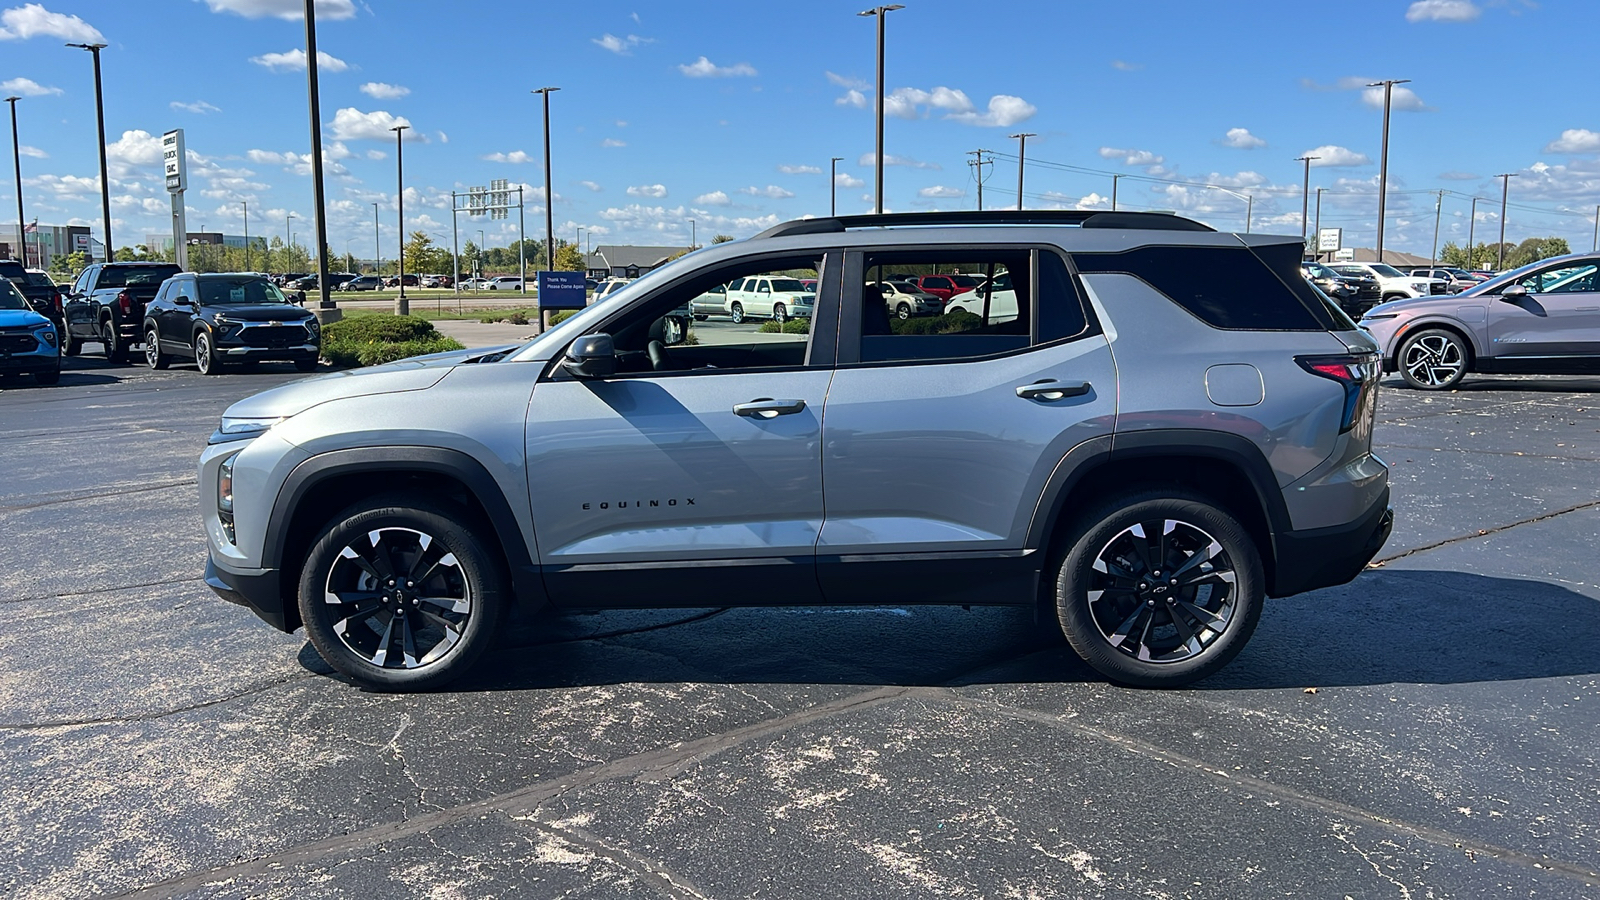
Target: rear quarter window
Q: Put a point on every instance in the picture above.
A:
(1230, 288)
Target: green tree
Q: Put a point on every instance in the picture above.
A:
(421, 255)
(69, 263)
(569, 258)
(722, 239)
(1534, 249)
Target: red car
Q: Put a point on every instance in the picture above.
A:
(946, 286)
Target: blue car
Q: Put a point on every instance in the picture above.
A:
(28, 341)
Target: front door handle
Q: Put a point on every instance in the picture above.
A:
(767, 408)
(1051, 390)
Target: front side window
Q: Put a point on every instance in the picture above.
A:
(10, 298)
(1569, 278)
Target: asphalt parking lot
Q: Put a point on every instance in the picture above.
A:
(1426, 731)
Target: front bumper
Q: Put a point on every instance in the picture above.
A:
(294, 351)
(1324, 557)
(258, 590)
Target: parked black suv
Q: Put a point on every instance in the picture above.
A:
(228, 318)
(36, 287)
(106, 304)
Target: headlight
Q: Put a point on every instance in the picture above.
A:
(47, 333)
(225, 484)
(241, 429)
(314, 327)
(1379, 317)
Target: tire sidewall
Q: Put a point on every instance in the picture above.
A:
(1096, 529)
(485, 579)
(205, 356)
(1413, 340)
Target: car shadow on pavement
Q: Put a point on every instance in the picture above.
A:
(1428, 627)
(1489, 384)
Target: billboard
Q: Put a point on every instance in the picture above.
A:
(562, 290)
(173, 161)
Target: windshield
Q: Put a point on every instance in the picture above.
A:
(40, 279)
(1318, 270)
(142, 276)
(1387, 271)
(9, 298)
(238, 291)
(792, 285)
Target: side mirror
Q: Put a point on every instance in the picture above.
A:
(1514, 292)
(591, 356)
(181, 300)
(675, 331)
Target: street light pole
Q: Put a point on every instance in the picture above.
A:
(1318, 230)
(881, 12)
(1472, 223)
(1505, 185)
(1022, 162)
(288, 235)
(377, 248)
(246, 204)
(316, 154)
(16, 154)
(1596, 224)
(1383, 164)
(1305, 195)
(1438, 208)
(833, 185)
(549, 201)
(100, 119)
(402, 306)
(1114, 180)
(1249, 204)
(692, 245)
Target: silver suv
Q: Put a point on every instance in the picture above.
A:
(1164, 426)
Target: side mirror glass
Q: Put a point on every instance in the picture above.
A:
(675, 330)
(1513, 291)
(591, 356)
(181, 300)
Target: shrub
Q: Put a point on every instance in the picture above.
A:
(376, 339)
(556, 318)
(948, 323)
(382, 328)
(793, 326)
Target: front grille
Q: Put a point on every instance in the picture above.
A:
(18, 342)
(1438, 288)
(274, 336)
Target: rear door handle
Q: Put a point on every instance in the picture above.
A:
(1051, 390)
(766, 408)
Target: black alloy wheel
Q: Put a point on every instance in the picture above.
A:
(153, 356)
(205, 355)
(1433, 360)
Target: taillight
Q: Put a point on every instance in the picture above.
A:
(1357, 372)
(125, 300)
(58, 301)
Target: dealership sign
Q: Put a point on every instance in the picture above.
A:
(173, 162)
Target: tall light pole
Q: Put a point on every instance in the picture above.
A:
(1596, 228)
(1022, 162)
(1305, 195)
(1114, 180)
(833, 185)
(16, 154)
(377, 247)
(1318, 229)
(692, 245)
(1249, 204)
(246, 205)
(100, 119)
(288, 222)
(1505, 184)
(316, 154)
(549, 201)
(402, 306)
(1438, 209)
(1472, 223)
(1383, 163)
(881, 12)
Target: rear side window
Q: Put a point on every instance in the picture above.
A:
(114, 276)
(1225, 287)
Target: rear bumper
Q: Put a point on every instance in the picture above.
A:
(258, 590)
(1324, 557)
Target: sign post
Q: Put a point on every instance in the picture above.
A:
(176, 166)
(1329, 240)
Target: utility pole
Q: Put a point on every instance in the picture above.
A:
(100, 119)
(1438, 206)
(882, 13)
(1318, 230)
(16, 154)
(288, 222)
(833, 185)
(377, 248)
(246, 204)
(1114, 180)
(316, 154)
(1472, 223)
(977, 169)
(549, 202)
(1596, 224)
(1305, 195)
(402, 305)
(1383, 164)
(1022, 162)
(692, 245)
(1505, 184)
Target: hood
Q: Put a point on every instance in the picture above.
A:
(415, 374)
(21, 318)
(276, 312)
(1395, 307)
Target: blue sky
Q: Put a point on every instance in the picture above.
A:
(728, 113)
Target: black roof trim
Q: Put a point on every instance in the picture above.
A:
(1083, 218)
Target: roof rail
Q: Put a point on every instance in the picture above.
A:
(1083, 218)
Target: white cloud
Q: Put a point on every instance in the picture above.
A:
(1575, 140)
(27, 87)
(64, 186)
(913, 103)
(1336, 157)
(705, 68)
(845, 179)
(800, 170)
(382, 91)
(515, 157)
(1132, 157)
(135, 148)
(376, 154)
(771, 192)
(443, 138)
(288, 10)
(889, 159)
(648, 190)
(613, 142)
(1123, 66)
(1242, 139)
(715, 198)
(939, 191)
(1402, 99)
(199, 107)
(351, 124)
(1457, 176)
(593, 186)
(1091, 200)
(1004, 111)
(844, 81)
(621, 46)
(33, 20)
(33, 152)
(1442, 11)
(295, 61)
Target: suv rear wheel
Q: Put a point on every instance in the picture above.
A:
(1433, 360)
(401, 595)
(1159, 588)
(736, 312)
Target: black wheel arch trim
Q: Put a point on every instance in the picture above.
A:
(1412, 328)
(525, 577)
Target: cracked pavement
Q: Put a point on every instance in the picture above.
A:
(156, 741)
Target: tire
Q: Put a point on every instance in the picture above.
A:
(70, 346)
(407, 638)
(205, 356)
(153, 356)
(48, 376)
(700, 318)
(115, 350)
(780, 313)
(1433, 359)
(736, 312)
(1164, 635)
(306, 365)
(903, 311)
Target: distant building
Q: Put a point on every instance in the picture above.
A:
(158, 243)
(1367, 254)
(46, 242)
(622, 261)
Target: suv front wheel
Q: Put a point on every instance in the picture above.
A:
(401, 595)
(1159, 588)
(1433, 360)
